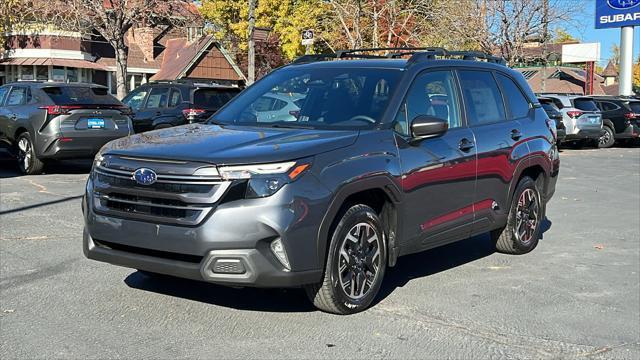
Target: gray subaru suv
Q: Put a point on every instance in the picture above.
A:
(387, 155)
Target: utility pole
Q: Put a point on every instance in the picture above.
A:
(545, 39)
(251, 69)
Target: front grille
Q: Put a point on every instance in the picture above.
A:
(173, 199)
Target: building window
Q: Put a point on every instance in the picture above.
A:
(194, 33)
(58, 74)
(27, 73)
(72, 75)
(42, 73)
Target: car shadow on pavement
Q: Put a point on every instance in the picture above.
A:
(9, 166)
(440, 259)
(251, 299)
(294, 300)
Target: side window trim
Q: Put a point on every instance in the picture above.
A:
(171, 91)
(4, 96)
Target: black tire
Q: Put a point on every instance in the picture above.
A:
(28, 162)
(607, 139)
(510, 239)
(332, 294)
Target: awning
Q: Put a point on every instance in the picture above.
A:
(84, 64)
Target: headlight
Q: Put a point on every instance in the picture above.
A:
(264, 179)
(98, 160)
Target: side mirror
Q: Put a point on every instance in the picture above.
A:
(425, 126)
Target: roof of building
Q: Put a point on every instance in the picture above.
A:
(180, 56)
(610, 70)
(559, 79)
(76, 63)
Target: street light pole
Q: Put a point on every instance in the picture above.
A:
(251, 68)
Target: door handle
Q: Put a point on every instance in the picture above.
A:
(516, 134)
(158, 113)
(466, 145)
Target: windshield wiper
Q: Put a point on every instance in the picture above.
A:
(290, 126)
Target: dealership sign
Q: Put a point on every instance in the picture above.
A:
(617, 13)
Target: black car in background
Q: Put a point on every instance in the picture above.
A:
(41, 121)
(554, 114)
(159, 105)
(620, 117)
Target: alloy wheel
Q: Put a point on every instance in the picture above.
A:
(24, 153)
(359, 260)
(527, 215)
(605, 138)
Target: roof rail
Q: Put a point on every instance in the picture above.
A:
(417, 54)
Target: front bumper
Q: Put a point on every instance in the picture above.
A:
(259, 271)
(240, 231)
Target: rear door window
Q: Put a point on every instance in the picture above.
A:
(517, 103)
(175, 98)
(158, 98)
(80, 95)
(18, 96)
(585, 104)
(213, 98)
(483, 100)
(608, 106)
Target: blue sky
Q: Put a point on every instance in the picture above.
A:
(607, 37)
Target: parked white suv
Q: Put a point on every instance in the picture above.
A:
(580, 116)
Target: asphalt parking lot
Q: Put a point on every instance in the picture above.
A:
(577, 295)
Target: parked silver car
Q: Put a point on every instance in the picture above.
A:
(581, 117)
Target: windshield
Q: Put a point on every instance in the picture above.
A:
(82, 95)
(314, 98)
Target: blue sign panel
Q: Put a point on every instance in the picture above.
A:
(617, 13)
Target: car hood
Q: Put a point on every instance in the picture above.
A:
(230, 144)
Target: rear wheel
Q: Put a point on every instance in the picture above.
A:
(355, 265)
(525, 218)
(607, 138)
(27, 160)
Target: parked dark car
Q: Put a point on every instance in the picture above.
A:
(554, 114)
(386, 157)
(159, 105)
(620, 117)
(43, 121)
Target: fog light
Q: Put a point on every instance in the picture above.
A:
(278, 250)
(228, 266)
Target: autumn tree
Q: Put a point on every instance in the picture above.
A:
(112, 19)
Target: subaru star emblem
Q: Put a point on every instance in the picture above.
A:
(144, 176)
(623, 4)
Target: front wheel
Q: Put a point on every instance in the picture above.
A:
(526, 214)
(355, 265)
(607, 138)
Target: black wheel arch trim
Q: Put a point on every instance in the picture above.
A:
(526, 163)
(382, 182)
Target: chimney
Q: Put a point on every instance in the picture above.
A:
(143, 37)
